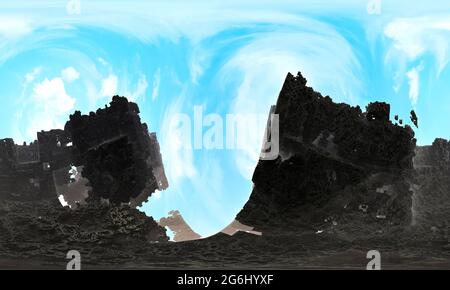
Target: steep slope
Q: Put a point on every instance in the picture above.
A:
(339, 169)
(431, 199)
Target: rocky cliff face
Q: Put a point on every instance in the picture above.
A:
(339, 169)
(120, 158)
(431, 199)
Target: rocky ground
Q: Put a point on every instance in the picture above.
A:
(299, 248)
(45, 229)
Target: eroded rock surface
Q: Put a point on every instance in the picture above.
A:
(120, 158)
(340, 170)
(46, 229)
(176, 223)
(431, 199)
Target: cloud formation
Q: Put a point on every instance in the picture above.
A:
(156, 84)
(15, 26)
(141, 88)
(70, 74)
(31, 76)
(50, 103)
(414, 83)
(417, 36)
(109, 86)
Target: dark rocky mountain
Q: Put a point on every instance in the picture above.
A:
(339, 168)
(112, 150)
(120, 158)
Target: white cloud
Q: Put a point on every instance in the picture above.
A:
(156, 84)
(52, 95)
(149, 20)
(31, 76)
(178, 158)
(139, 92)
(414, 81)
(14, 26)
(198, 61)
(109, 86)
(103, 62)
(141, 88)
(92, 92)
(70, 74)
(414, 37)
(157, 194)
(46, 108)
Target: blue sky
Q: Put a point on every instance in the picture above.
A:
(228, 57)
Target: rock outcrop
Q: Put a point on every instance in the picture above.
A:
(176, 223)
(120, 158)
(111, 148)
(339, 169)
(431, 199)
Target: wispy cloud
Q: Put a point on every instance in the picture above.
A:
(50, 103)
(70, 74)
(109, 86)
(141, 88)
(178, 158)
(31, 76)
(414, 37)
(156, 84)
(414, 83)
(43, 105)
(14, 26)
